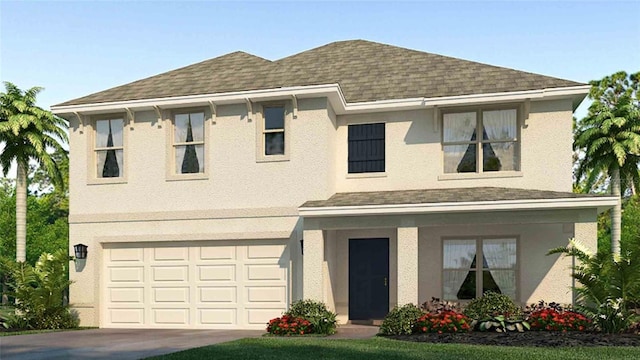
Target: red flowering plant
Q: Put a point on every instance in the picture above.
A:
(554, 317)
(289, 325)
(446, 321)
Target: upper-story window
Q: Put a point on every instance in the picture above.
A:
(109, 148)
(471, 267)
(273, 131)
(496, 149)
(188, 143)
(366, 148)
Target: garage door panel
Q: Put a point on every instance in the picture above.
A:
(218, 294)
(170, 273)
(218, 316)
(217, 272)
(265, 251)
(218, 253)
(170, 316)
(126, 274)
(126, 255)
(262, 316)
(270, 294)
(265, 272)
(126, 295)
(126, 316)
(171, 294)
(170, 254)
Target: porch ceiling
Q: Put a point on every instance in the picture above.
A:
(451, 200)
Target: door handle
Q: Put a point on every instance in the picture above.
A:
(385, 281)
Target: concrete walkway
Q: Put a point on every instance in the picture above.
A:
(130, 344)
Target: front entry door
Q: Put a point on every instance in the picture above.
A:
(368, 278)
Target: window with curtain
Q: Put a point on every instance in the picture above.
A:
(109, 148)
(273, 131)
(472, 267)
(188, 143)
(366, 148)
(496, 149)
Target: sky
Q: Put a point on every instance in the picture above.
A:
(74, 48)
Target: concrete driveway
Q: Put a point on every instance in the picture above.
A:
(112, 343)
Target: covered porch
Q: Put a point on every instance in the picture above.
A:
(364, 253)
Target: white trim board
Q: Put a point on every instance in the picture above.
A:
(331, 91)
(600, 203)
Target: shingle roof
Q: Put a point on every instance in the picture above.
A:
(365, 70)
(439, 196)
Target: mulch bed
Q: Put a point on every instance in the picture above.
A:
(529, 338)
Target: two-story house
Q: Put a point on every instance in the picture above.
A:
(360, 174)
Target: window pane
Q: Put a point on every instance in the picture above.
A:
(274, 143)
(500, 156)
(109, 163)
(499, 281)
(499, 253)
(274, 118)
(459, 285)
(458, 254)
(459, 127)
(500, 124)
(102, 133)
(180, 128)
(189, 159)
(197, 126)
(460, 158)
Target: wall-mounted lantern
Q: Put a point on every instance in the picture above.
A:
(81, 251)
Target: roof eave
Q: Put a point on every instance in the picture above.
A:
(600, 203)
(335, 95)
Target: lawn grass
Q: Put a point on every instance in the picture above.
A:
(387, 349)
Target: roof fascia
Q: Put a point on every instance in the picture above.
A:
(599, 203)
(334, 93)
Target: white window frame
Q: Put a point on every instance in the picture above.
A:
(262, 131)
(92, 164)
(171, 172)
(479, 263)
(480, 173)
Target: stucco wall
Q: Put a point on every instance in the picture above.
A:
(235, 179)
(413, 152)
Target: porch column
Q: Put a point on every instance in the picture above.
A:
(407, 265)
(312, 274)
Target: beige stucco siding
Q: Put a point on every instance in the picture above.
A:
(413, 152)
(235, 179)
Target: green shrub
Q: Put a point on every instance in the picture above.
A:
(492, 304)
(322, 320)
(610, 285)
(501, 324)
(39, 293)
(401, 320)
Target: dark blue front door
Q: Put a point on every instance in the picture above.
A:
(368, 278)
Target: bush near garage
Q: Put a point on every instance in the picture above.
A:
(304, 317)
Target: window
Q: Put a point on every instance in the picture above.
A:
(497, 149)
(273, 131)
(465, 277)
(366, 148)
(109, 148)
(188, 143)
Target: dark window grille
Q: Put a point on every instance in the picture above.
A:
(366, 148)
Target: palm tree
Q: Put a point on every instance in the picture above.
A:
(609, 137)
(27, 133)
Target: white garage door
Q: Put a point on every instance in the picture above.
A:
(214, 285)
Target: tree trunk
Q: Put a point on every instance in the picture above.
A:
(616, 214)
(21, 212)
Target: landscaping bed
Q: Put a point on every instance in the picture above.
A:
(529, 338)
